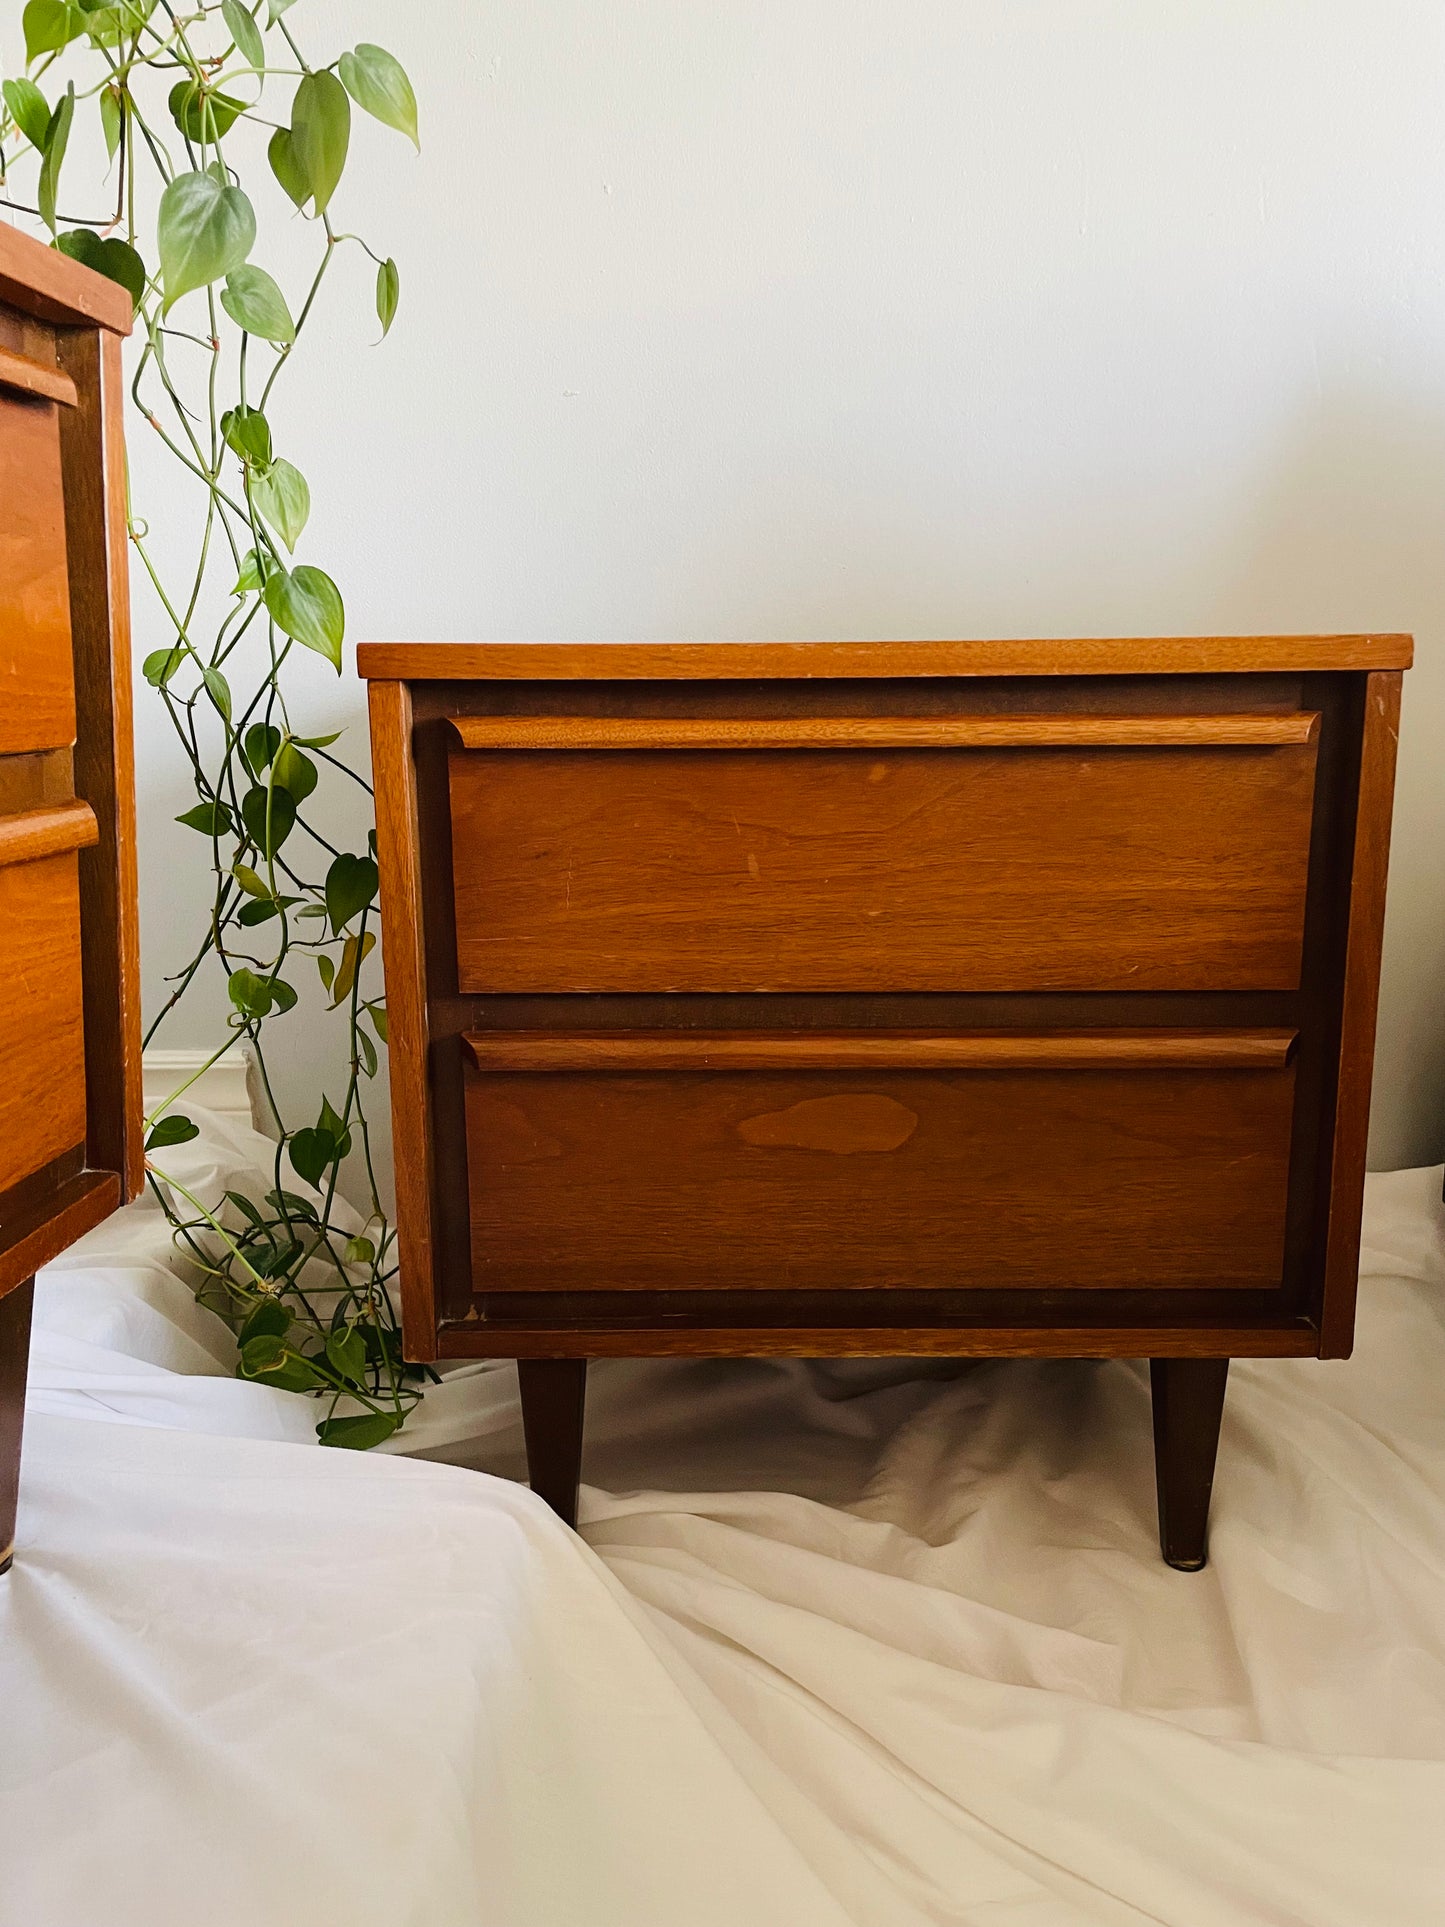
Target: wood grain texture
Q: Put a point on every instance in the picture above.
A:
(881, 732)
(915, 870)
(42, 1046)
(40, 281)
(93, 459)
(688, 661)
(51, 832)
(27, 377)
(404, 956)
(15, 1312)
(751, 1050)
(32, 1237)
(816, 1179)
(37, 701)
(1368, 871)
(899, 1340)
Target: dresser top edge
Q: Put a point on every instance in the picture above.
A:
(726, 661)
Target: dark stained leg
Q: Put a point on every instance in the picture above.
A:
(553, 1391)
(14, 1356)
(1188, 1405)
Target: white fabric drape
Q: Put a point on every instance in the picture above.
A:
(882, 1644)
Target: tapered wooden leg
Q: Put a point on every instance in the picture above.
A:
(553, 1393)
(14, 1356)
(1188, 1398)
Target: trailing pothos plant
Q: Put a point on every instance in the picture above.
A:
(193, 103)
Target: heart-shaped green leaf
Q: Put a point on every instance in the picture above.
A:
(359, 1433)
(117, 260)
(388, 293)
(346, 1355)
(276, 8)
(283, 499)
(306, 604)
(203, 114)
(49, 25)
(269, 816)
(211, 819)
(57, 137)
(174, 1129)
(350, 886)
(281, 153)
(242, 28)
(204, 230)
(249, 993)
(219, 690)
(320, 134)
(295, 773)
(161, 664)
(254, 302)
(248, 434)
(377, 82)
(262, 742)
(255, 567)
(311, 1152)
(270, 1319)
(29, 110)
(110, 120)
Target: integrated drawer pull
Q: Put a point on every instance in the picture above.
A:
(1061, 1050)
(1243, 731)
(41, 833)
(34, 378)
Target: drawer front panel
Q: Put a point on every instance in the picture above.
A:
(42, 1046)
(1073, 866)
(37, 694)
(1036, 1169)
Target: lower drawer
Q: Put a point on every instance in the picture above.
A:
(784, 1161)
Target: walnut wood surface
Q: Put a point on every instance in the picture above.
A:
(40, 281)
(27, 377)
(749, 1180)
(404, 954)
(1188, 1397)
(30, 1237)
(15, 1313)
(476, 1339)
(37, 702)
(42, 1051)
(93, 456)
(673, 1050)
(922, 870)
(52, 832)
(881, 732)
(1368, 870)
(1071, 656)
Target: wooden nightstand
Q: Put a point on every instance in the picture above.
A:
(1006, 999)
(70, 1095)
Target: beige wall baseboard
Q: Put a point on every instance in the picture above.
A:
(223, 1088)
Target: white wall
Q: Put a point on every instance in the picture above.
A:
(791, 318)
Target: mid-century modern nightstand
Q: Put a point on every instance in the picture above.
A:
(70, 1090)
(961, 998)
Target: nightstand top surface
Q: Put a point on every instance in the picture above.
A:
(712, 661)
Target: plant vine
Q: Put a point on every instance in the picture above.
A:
(183, 96)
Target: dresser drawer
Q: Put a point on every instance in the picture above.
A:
(42, 1038)
(986, 853)
(37, 695)
(785, 1161)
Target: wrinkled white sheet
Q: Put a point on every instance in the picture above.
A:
(873, 1644)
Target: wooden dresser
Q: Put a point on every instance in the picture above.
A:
(1007, 999)
(70, 1106)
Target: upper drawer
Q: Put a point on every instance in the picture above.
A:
(982, 853)
(37, 693)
